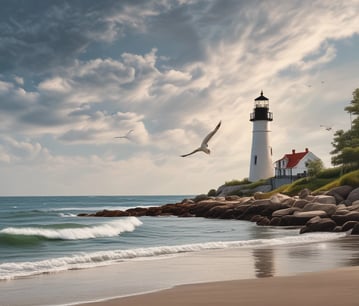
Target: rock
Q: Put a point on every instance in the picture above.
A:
(279, 198)
(232, 198)
(324, 199)
(111, 213)
(285, 211)
(200, 209)
(353, 196)
(341, 219)
(310, 214)
(319, 225)
(262, 207)
(342, 191)
(355, 203)
(342, 212)
(218, 211)
(137, 211)
(337, 229)
(292, 220)
(256, 218)
(264, 221)
(355, 230)
(304, 193)
(275, 221)
(300, 203)
(330, 209)
(201, 197)
(179, 209)
(349, 225)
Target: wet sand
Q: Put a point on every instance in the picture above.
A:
(330, 288)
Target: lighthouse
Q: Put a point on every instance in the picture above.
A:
(261, 166)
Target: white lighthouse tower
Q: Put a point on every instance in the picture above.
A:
(261, 166)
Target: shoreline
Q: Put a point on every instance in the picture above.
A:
(332, 288)
(134, 278)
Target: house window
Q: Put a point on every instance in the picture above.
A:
(255, 159)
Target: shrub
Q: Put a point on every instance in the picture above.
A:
(212, 193)
(237, 182)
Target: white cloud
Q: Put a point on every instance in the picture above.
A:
(139, 78)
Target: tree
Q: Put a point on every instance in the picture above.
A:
(314, 166)
(346, 143)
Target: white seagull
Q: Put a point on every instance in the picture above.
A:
(204, 144)
(125, 136)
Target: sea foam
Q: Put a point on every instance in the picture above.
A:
(93, 259)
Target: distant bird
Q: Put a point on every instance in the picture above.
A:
(328, 128)
(204, 144)
(125, 136)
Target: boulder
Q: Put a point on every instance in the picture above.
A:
(275, 221)
(279, 198)
(341, 219)
(318, 225)
(342, 191)
(137, 211)
(300, 203)
(310, 214)
(342, 212)
(201, 197)
(330, 209)
(262, 207)
(292, 220)
(349, 225)
(111, 213)
(200, 209)
(304, 193)
(355, 203)
(263, 221)
(285, 211)
(218, 211)
(232, 198)
(324, 199)
(355, 230)
(256, 218)
(353, 196)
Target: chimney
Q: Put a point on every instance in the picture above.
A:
(293, 151)
(306, 150)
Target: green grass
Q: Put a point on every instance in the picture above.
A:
(325, 180)
(351, 178)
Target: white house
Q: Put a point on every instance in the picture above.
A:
(294, 164)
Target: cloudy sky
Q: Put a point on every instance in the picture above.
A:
(76, 74)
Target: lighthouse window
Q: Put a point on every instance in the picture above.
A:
(255, 159)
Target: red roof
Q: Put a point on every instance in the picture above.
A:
(294, 158)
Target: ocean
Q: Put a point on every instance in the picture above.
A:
(44, 235)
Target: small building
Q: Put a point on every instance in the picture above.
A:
(294, 165)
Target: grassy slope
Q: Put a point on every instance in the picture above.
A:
(320, 183)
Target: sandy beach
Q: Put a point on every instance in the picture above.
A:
(334, 287)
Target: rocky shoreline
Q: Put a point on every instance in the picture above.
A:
(336, 210)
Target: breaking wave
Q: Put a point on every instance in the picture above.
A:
(93, 259)
(73, 231)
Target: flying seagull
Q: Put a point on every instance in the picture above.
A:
(204, 144)
(125, 136)
(328, 128)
